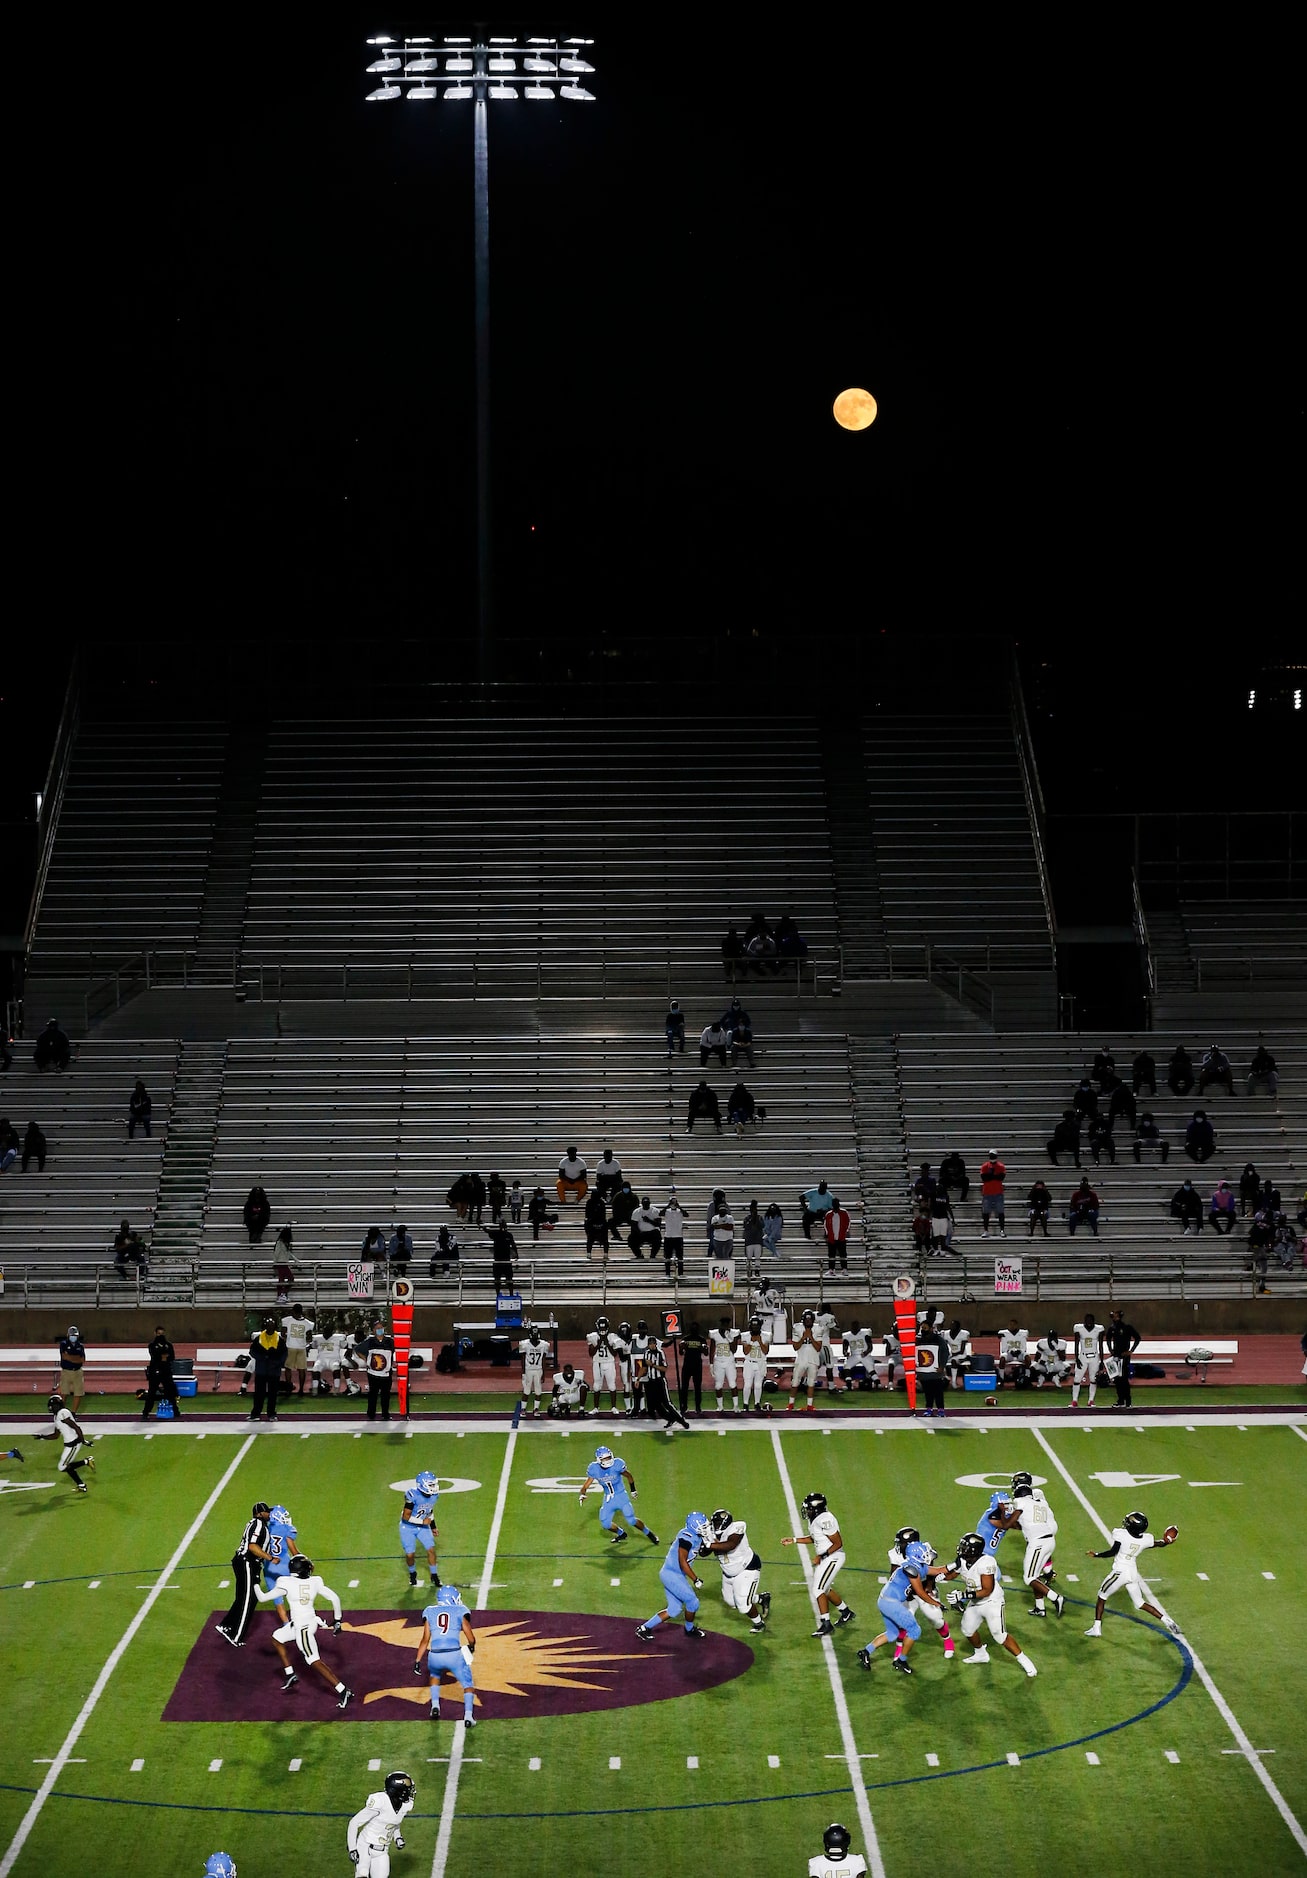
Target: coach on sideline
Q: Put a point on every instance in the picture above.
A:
(250, 1555)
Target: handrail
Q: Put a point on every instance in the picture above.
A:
(52, 795)
(1033, 791)
(1144, 942)
(1297, 960)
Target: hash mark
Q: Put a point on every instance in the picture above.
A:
(614, 1581)
(374, 1767)
(557, 1582)
(137, 1765)
(773, 1760)
(692, 1762)
(1270, 1575)
(1014, 1760)
(29, 1584)
(295, 1765)
(1092, 1759)
(224, 1584)
(533, 1765)
(94, 1585)
(1072, 1579)
(353, 1584)
(614, 1763)
(214, 1766)
(932, 1760)
(1204, 1577)
(1172, 1756)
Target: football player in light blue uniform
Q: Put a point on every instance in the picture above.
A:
(911, 1579)
(445, 1648)
(616, 1483)
(417, 1525)
(220, 1865)
(1000, 1504)
(282, 1534)
(679, 1580)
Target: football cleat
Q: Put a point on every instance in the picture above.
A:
(824, 1628)
(616, 1536)
(903, 1666)
(1036, 1610)
(977, 1656)
(846, 1615)
(865, 1655)
(347, 1696)
(16, 1454)
(644, 1633)
(1058, 1601)
(652, 1537)
(1172, 1626)
(77, 1488)
(757, 1626)
(1094, 1630)
(764, 1605)
(289, 1679)
(87, 1460)
(469, 1721)
(694, 1631)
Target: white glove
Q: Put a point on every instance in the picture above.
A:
(958, 1599)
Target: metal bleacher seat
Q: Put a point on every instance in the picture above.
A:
(974, 1092)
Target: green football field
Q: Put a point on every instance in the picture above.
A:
(594, 1750)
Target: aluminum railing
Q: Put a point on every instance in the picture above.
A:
(1245, 967)
(51, 799)
(1034, 794)
(1098, 1273)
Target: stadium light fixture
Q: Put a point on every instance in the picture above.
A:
(473, 66)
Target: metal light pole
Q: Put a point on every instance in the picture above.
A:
(482, 68)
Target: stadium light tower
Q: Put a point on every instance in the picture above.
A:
(480, 68)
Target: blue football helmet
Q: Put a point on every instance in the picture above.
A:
(698, 1527)
(449, 1594)
(426, 1481)
(220, 1865)
(282, 1518)
(1001, 1497)
(919, 1555)
(603, 1456)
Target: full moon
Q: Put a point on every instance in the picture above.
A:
(855, 409)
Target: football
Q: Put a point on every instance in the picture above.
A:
(1172, 1532)
(991, 1401)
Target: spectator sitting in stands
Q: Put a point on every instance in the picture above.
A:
(139, 1110)
(1083, 1207)
(738, 1026)
(447, 1250)
(1250, 1185)
(608, 1174)
(816, 1203)
(1262, 1070)
(1285, 1246)
(790, 942)
(761, 952)
(773, 1228)
(502, 1248)
(129, 1249)
(1268, 1200)
(1180, 1072)
(401, 1250)
(1200, 1137)
(257, 1213)
(1104, 1067)
(646, 1230)
(703, 1103)
(8, 1144)
(758, 928)
(537, 1212)
(1084, 1098)
(496, 1196)
(742, 1111)
(623, 1207)
(925, 1186)
(714, 1040)
(993, 1174)
(1143, 1070)
(953, 1173)
(674, 1027)
(732, 950)
(1221, 1208)
(1100, 1139)
(374, 1246)
(34, 1148)
(1039, 1203)
(1149, 1139)
(572, 1183)
(1187, 1206)
(52, 1047)
(1065, 1138)
(1122, 1103)
(1216, 1068)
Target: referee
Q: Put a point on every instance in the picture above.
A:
(252, 1552)
(656, 1399)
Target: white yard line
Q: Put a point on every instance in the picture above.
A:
(875, 1863)
(33, 1812)
(1299, 1430)
(445, 1832)
(1223, 1708)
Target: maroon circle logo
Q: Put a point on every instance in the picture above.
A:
(526, 1663)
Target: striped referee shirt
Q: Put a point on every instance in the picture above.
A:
(256, 1533)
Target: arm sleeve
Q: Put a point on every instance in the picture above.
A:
(1111, 1551)
(356, 1825)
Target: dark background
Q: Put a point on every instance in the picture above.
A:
(1065, 259)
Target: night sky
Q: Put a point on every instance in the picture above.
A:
(1064, 266)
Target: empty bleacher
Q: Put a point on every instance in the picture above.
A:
(93, 1176)
(534, 843)
(347, 1134)
(128, 867)
(972, 1093)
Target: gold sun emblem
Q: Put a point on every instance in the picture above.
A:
(511, 1659)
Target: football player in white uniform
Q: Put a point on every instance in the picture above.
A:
(1129, 1541)
(533, 1350)
(982, 1601)
(721, 1354)
(1013, 1352)
(1088, 1337)
(827, 1542)
(827, 1328)
(959, 1353)
(836, 1860)
(1032, 1513)
(568, 1396)
(376, 1826)
(753, 1342)
(888, 1369)
(297, 1592)
(807, 1348)
(741, 1568)
(854, 1345)
(1049, 1364)
(68, 1429)
(603, 1344)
